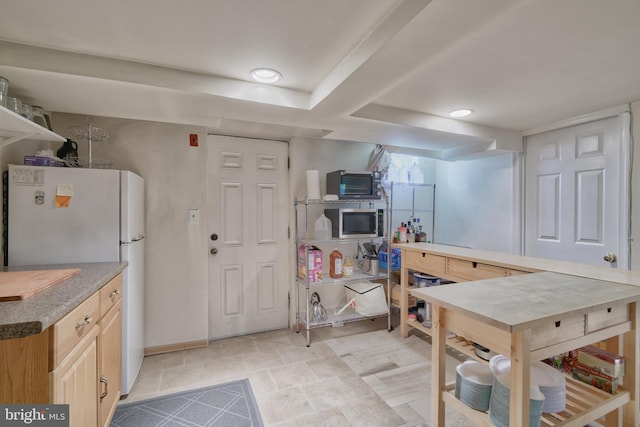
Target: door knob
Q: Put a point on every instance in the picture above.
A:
(214, 237)
(213, 251)
(610, 257)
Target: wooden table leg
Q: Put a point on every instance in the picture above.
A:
(612, 419)
(404, 301)
(631, 379)
(520, 387)
(438, 365)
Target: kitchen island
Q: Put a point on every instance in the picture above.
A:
(559, 307)
(63, 345)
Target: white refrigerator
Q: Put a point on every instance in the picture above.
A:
(78, 215)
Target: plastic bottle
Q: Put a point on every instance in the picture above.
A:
(403, 234)
(335, 264)
(347, 267)
(322, 228)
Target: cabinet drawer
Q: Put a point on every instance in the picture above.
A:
(511, 272)
(471, 270)
(608, 317)
(425, 263)
(69, 330)
(110, 294)
(557, 332)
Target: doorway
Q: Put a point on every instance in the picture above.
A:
(576, 193)
(248, 218)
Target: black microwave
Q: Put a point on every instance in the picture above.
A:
(355, 185)
(355, 223)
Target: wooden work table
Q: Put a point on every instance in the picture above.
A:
(528, 309)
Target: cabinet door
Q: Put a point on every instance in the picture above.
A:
(74, 382)
(110, 362)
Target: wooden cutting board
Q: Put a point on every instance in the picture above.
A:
(18, 285)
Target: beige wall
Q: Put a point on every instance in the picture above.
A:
(635, 189)
(176, 253)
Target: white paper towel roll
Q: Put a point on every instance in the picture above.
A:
(313, 184)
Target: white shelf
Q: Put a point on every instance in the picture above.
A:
(339, 201)
(303, 286)
(347, 316)
(358, 275)
(14, 127)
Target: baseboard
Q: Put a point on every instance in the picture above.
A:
(150, 351)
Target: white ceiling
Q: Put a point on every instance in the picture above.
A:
(382, 71)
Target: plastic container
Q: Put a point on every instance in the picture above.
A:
(403, 234)
(322, 228)
(424, 280)
(335, 264)
(347, 268)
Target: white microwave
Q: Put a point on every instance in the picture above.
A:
(355, 223)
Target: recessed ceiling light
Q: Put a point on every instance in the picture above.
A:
(461, 113)
(265, 75)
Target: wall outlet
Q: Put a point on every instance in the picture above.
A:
(194, 216)
(193, 139)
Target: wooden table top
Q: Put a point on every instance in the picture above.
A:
(524, 301)
(527, 263)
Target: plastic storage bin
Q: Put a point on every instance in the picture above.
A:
(383, 258)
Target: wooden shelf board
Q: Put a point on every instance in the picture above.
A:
(585, 403)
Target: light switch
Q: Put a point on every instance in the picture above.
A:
(194, 216)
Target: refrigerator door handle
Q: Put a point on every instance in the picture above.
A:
(135, 239)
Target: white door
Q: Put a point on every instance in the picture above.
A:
(248, 215)
(572, 193)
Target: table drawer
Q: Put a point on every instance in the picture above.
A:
(608, 317)
(425, 262)
(471, 270)
(511, 272)
(110, 294)
(69, 330)
(557, 332)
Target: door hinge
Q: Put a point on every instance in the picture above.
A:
(288, 232)
(288, 162)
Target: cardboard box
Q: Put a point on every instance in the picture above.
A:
(313, 264)
(595, 377)
(42, 161)
(395, 296)
(609, 363)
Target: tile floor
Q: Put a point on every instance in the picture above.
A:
(356, 375)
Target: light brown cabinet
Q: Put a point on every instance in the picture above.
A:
(76, 361)
(74, 381)
(109, 350)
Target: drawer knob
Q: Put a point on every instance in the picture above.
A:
(114, 294)
(85, 322)
(558, 323)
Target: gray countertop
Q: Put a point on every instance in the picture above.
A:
(35, 314)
